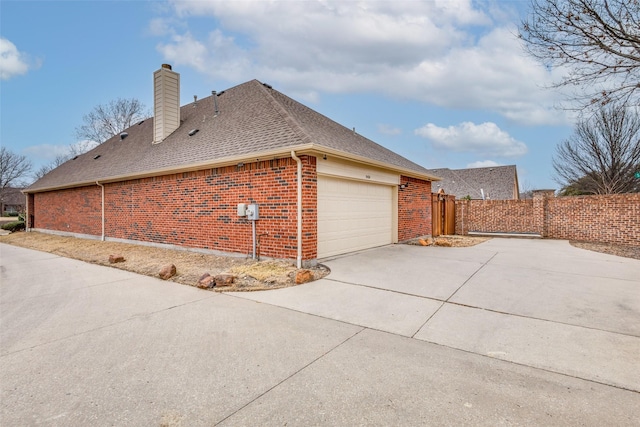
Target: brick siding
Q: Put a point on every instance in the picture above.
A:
(199, 209)
(195, 209)
(414, 209)
(607, 218)
(75, 210)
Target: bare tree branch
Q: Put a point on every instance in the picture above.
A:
(107, 120)
(597, 41)
(45, 169)
(603, 153)
(13, 168)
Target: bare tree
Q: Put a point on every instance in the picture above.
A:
(602, 155)
(107, 120)
(597, 41)
(13, 169)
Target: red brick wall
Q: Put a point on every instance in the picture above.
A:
(607, 219)
(196, 209)
(414, 209)
(76, 210)
(495, 216)
(199, 209)
(610, 219)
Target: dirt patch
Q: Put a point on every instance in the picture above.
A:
(611, 249)
(250, 275)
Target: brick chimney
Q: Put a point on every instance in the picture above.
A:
(166, 103)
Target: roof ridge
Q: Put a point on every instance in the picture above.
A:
(288, 118)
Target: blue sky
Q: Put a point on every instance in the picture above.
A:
(444, 83)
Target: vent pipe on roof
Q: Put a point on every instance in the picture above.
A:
(215, 101)
(166, 103)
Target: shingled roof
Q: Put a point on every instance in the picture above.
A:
(497, 182)
(253, 121)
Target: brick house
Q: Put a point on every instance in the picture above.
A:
(11, 201)
(178, 179)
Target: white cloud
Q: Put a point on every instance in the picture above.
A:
(388, 130)
(444, 52)
(218, 56)
(485, 139)
(12, 62)
(160, 27)
(46, 152)
(483, 164)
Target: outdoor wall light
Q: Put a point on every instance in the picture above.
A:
(403, 186)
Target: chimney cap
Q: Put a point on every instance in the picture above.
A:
(167, 66)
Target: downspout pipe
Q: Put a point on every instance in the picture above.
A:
(102, 187)
(299, 162)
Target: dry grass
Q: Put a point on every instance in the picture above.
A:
(449, 241)
(250, 275)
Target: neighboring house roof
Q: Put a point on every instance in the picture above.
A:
(497, 182)
(254, 121)
(12, 196)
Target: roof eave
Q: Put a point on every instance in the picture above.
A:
(232, 160)
(222, 162)
(320, 149)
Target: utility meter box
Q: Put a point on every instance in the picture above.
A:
(242, 209)
(252, 212)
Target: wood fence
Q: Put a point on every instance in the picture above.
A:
(443, 211)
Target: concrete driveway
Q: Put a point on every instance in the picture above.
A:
(539, 303)
(507, 332)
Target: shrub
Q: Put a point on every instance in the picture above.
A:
(8, 214)
(13, 226)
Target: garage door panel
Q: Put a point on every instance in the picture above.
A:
(353, 215)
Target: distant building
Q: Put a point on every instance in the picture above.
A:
(12, 201)
(492, 183)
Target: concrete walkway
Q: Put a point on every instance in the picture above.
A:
(435, 338)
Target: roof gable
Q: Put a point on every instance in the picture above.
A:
(252, 120)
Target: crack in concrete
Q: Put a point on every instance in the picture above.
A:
(291, 376)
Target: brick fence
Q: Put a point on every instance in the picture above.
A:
(608, 219)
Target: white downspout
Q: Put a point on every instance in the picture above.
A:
(299, 162)
(102, 187)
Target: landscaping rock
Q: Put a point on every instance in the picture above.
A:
(207, 281)
(423, 242)
(167, 272)
(116, 258)
(303, 276)
(444, 243)
(225, 279)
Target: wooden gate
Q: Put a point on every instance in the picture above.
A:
(443, 212)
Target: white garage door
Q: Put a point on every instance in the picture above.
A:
(353, 215)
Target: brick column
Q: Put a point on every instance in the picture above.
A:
(462, 216)
(540, 198)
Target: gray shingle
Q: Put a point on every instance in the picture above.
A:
(497, 182)
(252, 119)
